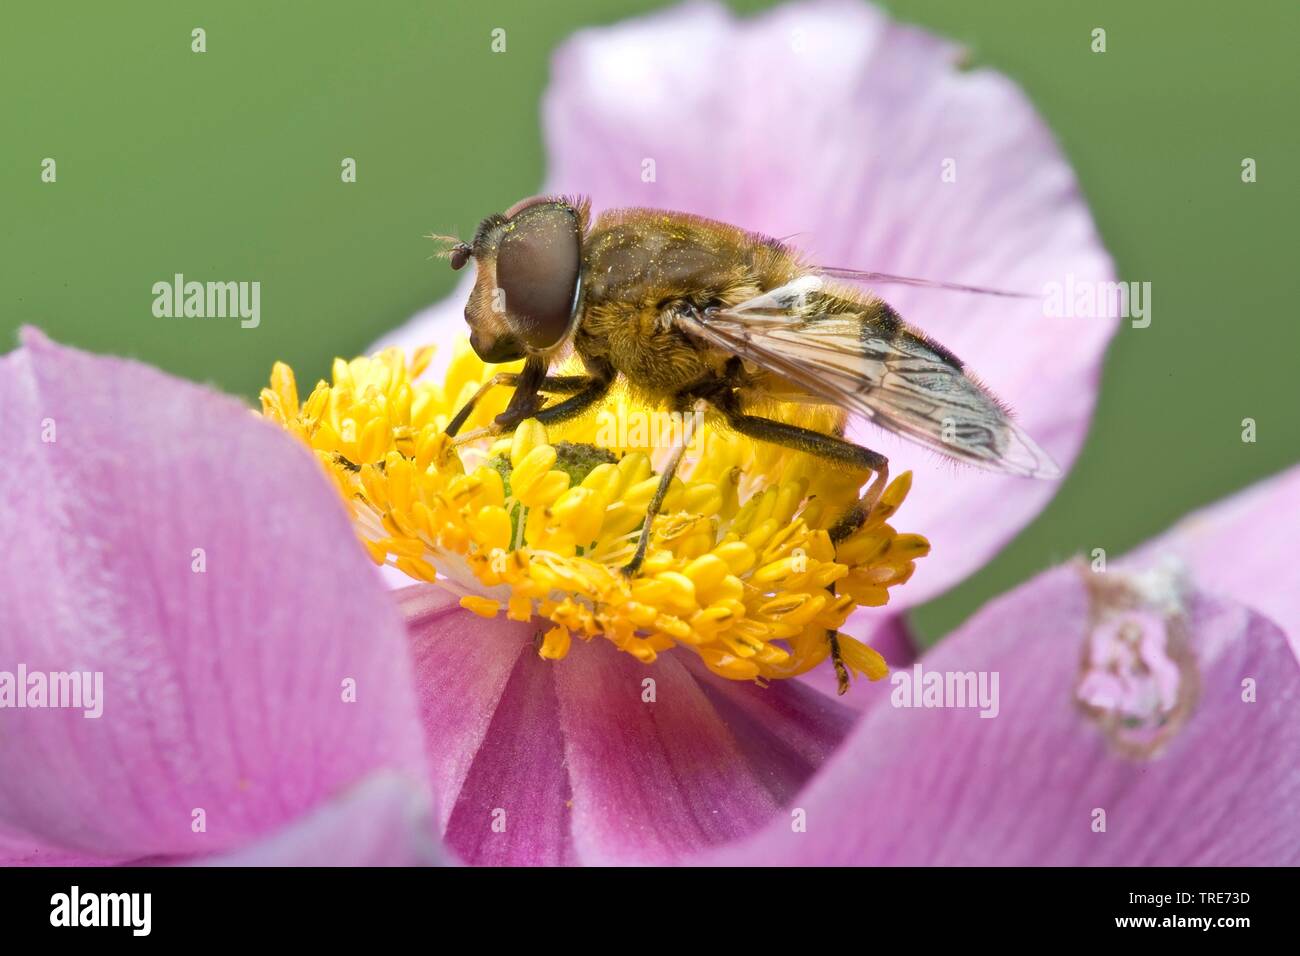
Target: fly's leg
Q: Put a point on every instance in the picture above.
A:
(848, 523)
(584, 392)
(661, 492)
(588, 390)
(807, 440)
(594, 388)
(828, 447)
(458, 420)
(551, 384)
(841, 671)
(833, 449)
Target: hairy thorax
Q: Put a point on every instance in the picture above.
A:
(642, 267)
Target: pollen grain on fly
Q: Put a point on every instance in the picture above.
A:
(741, 569)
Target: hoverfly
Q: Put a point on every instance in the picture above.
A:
(693, 314)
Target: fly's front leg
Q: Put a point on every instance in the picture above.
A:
(527, 398)
(594, 388)
(458, 420)
(585, 391)
(550, 385)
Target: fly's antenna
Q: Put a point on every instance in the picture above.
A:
(455, 250)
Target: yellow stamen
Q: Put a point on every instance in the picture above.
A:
(740, 567)
(483, 607)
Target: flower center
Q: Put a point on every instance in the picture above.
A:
(740, 567)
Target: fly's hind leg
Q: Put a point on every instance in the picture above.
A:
(837, 659)
(833, 449)
(824, 446)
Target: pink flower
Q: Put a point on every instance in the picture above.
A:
(158, 535)
(272, 690)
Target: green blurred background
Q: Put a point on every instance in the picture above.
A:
(227, 165)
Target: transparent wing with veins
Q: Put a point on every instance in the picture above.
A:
(877, 278)
(866, 362)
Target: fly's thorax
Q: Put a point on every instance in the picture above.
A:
(644, 345)
(642, 267)
(642, 256)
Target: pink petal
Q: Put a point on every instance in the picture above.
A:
(1245, 547)
(223, 690)
(23, 851)
(652, 781)
(945, 787)
(578, 767)
(494, 739)
(830, 123)
(383, 821)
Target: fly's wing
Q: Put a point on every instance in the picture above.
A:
(862, 357)
(858, 275)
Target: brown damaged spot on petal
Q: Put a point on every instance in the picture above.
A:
(1138, 677)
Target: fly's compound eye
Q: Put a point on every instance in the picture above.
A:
(537, 268)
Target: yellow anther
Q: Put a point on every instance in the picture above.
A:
(527, 438)
(482, 606)
(492, 528)
(707, 572)
(555, 644)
